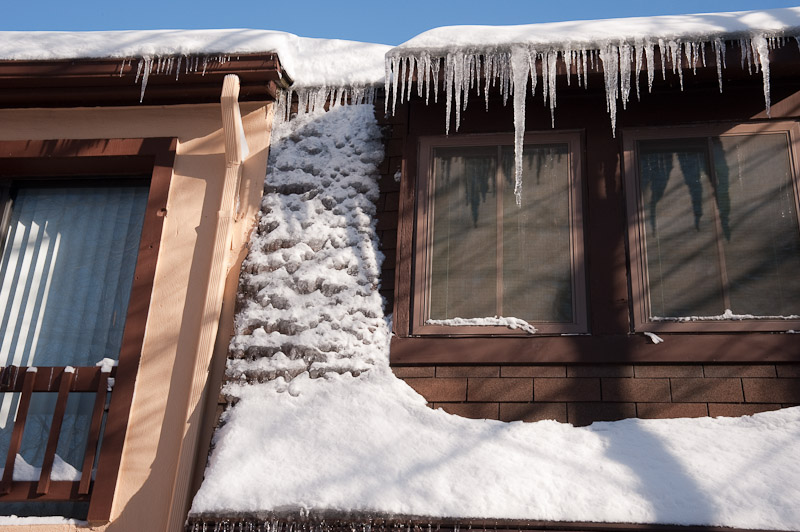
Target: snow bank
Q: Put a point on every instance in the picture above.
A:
(310, 62)
(369, 444)
(357, 439)
(511, 56)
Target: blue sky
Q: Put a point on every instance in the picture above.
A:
(389, 22)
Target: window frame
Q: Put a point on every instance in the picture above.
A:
(63, 160)
(423, 227)
(638, 280)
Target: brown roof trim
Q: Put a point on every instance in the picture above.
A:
(331, 522)
(113, 82)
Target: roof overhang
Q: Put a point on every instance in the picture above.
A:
(118, 81)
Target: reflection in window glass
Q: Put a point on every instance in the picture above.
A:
(721, 226)
(491, 257)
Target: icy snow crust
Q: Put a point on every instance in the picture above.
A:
(357, 439)
(511, 57)
(310, 62)
(308, 291)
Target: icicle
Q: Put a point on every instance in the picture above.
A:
(429, 79)
(520, 67)
(435, 67)
(609, 55)
(650, 57)
(458, 86)
(422, 74)
(396, 78)
(402, 75)
(761, 49)
(703, 53)
(545, 77)
(449, 73)
(178, 67)
(719, 54)
(676, 55)
(638, 53)
(624, 72)
(387, 83)
(585, 61)
(662, 48)
(532, 68)
(505, 77)
(466, 81)
(567, 56)
(552, 59)
(745, 54)
(148, 65)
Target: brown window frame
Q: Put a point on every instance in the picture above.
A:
(635, 216)
(66, 159)
(423, 232)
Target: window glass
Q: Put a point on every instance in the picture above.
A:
(65, 281)
(490, 256)
(66, 273)
(720, 226)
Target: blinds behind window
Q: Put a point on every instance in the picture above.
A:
(65, 281)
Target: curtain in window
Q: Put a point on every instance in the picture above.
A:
(65, 281)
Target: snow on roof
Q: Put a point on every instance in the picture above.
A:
(595, 33)
(310, 62)
(356, 440)
(369, 445)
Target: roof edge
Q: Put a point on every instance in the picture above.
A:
(165, 80)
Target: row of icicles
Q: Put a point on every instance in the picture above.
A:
(310, 99)
(170, 64)
(465, 70)
(312, 523)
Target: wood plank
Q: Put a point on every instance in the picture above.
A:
(67, 376)
(60, 490)
(16, 434)
(94, 434)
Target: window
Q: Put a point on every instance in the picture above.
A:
(713, 227)
(479, 254)
(81, 226)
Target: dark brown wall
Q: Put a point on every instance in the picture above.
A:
(611, 373)
(582, 394)
(395, 129)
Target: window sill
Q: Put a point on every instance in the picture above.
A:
(607, 349)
